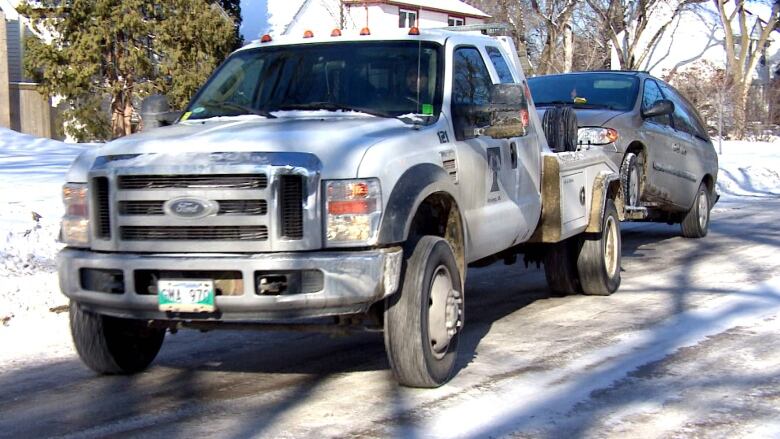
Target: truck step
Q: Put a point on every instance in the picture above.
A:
(636, 213)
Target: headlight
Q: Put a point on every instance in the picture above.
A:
(75, 223)
(596, 136)
(353, 209)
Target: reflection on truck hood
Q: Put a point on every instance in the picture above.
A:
(589, 117)
(339, 142)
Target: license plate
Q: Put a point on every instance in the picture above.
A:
(196, 295)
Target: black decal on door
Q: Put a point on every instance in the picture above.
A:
(494, 161)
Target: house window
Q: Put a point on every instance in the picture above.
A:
(407, 18)
(456, 21)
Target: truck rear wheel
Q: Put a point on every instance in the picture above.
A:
(598, 262)
(111, 345)
(560, 267)
(423, 321)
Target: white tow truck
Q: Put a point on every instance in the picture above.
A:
(342, 181)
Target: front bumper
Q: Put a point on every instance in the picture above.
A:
(352, 281)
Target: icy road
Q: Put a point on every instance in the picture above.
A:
(689, 345)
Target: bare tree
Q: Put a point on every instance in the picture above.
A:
(743, 52)
(626, 21)
(556, 16)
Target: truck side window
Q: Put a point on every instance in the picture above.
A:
(502, 68)
(471, 79)
(652, 94)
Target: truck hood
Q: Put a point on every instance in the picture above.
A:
(339, 142)
(589, 117)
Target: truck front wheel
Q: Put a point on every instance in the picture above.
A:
(111, 345)
(599, 260)
(423, 321)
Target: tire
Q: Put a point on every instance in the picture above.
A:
(110, 345)
(417, 318)
(631, 180)
(598, 262)
(696, 222)
(560, 128)
(560, 267)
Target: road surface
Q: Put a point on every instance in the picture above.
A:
(689, 345)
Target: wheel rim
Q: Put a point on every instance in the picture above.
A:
(633, 187)
(704, 210)
(443, 312)
(611, 246)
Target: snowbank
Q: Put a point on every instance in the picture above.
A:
(32, 171)
(749, 169)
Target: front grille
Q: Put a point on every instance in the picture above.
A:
(102, 216)
(223, 181)
(226, 207)
(222, 233)
(291, 204)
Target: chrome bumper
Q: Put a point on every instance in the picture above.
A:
(353, 280)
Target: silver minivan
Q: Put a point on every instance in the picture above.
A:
(668, 164)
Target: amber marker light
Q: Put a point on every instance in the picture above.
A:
(308, 34)
(335, 33)
(266, 39)
(612, 135)
(414, 31)
(351, 207)
(365, 31)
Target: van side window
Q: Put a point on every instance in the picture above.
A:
(652, 94)
(471, 81)
(502, 68)
(680, 118)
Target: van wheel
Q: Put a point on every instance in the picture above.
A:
(696, 222)
(560, 267)
(630, 179)
(423, 321)
(111, 345)
(598, 263)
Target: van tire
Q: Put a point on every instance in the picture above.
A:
(631, 180)
(696, 222)
(431, 282)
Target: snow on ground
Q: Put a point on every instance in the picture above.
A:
(31, 175)
(749, 169)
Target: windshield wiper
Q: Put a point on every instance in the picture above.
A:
(237, 107)
(332, 106)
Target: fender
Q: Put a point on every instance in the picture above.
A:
(598, 203)
(414, 186)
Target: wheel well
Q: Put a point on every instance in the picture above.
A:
(709, 182)
(636, 147)
(438, 215)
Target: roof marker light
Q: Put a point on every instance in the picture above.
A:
(266, 39)
(336, 33)
(414, 31)
(365, 31)
(308, 34)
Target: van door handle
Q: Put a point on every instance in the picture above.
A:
(513, 154)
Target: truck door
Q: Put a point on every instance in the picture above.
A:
(488, 166)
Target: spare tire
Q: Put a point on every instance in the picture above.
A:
(560, 127)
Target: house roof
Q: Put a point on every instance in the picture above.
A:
(456, 7)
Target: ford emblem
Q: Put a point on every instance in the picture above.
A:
(191, 208)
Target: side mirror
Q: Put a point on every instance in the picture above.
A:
(508, 112)
(156, 112)
(661, 107)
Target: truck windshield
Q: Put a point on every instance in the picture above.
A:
(586, 90)
(385, 79)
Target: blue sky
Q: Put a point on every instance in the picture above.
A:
(254, 23)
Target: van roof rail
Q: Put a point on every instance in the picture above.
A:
(490, 29)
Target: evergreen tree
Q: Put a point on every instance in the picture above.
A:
(111, 53)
